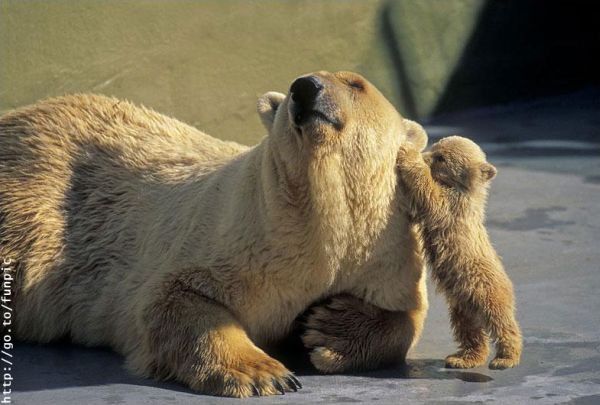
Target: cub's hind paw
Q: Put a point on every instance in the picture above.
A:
(465, 360)
(501, 363)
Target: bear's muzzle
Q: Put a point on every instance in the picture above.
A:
(309, 102)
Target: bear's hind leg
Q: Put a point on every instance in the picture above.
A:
(199, 342)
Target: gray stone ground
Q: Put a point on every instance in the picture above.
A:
(544, 218)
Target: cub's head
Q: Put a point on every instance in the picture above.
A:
(459, 163)
(336, 116)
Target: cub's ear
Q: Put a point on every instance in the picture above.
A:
(415, 134)
(267, 106)
(488, 171)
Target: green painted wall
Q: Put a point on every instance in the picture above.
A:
(206, 61)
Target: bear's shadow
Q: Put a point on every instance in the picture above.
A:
(61, 365)
(292, 353)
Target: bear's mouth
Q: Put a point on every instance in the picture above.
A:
(309, 103)
(301, 117)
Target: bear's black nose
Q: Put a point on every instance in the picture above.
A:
(305, 90)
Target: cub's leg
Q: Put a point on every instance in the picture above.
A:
(493, 310)
(199, 342)
(469, 332)
(347, 333)
(505, 330)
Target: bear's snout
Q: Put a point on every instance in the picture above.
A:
(309, 102)
(305, 91)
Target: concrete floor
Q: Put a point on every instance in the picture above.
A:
(544, 218)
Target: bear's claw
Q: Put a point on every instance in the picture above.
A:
(256, 379)
(293, 382)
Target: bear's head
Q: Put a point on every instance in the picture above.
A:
(459, 163)
(336, 114)
(336, 137)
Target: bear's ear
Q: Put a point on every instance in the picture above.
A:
(488, 171)
(415, 134)
(267, 106)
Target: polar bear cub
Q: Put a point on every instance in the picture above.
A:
(447, 191)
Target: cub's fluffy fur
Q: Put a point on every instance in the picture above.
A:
(447, 192)
(188, 254)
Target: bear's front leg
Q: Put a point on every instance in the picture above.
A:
(198, 342)
(345, 333)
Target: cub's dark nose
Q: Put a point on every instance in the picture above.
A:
(305, 90)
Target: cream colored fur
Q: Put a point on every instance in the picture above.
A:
(188, 254)
(447, 191)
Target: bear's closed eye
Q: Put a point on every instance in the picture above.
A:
(356, 84)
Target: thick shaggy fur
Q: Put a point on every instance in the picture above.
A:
(447, 193)
(188, 254)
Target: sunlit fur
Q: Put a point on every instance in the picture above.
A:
(447, 192)
(188, 254)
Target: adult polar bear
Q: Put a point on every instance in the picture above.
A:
(186, 254)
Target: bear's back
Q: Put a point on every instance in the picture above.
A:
(60, 125)
(64, 151)
(78, 175)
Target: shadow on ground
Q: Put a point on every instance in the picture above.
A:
(62, 365)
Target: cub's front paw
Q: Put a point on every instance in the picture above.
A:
(500, 363)
(466, 359)
(408, 151)
(339, 334)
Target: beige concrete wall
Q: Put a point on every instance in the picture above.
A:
(205, 62)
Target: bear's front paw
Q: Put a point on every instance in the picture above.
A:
(340, 334)
(329, 354)
(325, 335)
(329, 361)
(253, 374)
(500, 363)
(466, 359)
